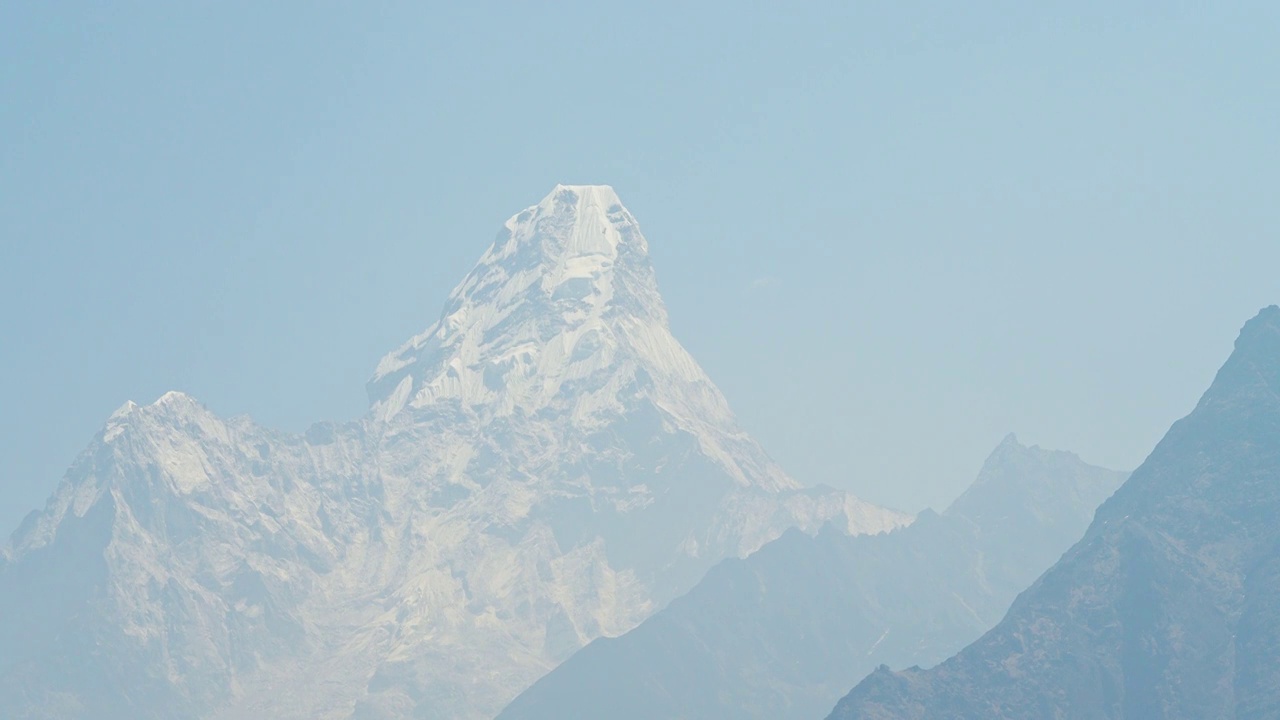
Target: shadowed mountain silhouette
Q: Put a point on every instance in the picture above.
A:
(1168, 606)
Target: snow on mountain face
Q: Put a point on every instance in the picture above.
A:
(544, 466)
(551, 299)
(563, 313)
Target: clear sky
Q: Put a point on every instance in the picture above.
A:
(891, 232)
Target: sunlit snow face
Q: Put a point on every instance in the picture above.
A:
(561, 323)
(563, 287)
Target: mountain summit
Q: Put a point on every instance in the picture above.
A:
(567, 282)
(543, 466)
(562, 315)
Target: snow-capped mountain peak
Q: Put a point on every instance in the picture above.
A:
(543, 466)
(561, 312)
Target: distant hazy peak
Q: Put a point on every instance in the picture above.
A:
(1016, 477)
(779, 633)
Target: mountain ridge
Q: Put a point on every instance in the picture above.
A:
(1166, 607)
(783, 632)
(485, 519)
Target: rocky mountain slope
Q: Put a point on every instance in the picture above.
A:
(785, 632)
(543, 466)
(1167, 608)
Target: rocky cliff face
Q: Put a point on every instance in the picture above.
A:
(785, 632)
(1167, 608)
(543, 466)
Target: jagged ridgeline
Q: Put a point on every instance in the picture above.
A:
(786, 631)
(542, 466)
(1170, 605)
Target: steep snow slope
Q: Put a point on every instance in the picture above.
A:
(545, 465)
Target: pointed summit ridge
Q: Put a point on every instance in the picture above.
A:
(565, 298)
(564, 278)
(571, 223)
(1021, 486)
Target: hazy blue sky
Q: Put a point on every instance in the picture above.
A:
(891, 232)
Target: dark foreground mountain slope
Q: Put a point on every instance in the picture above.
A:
(784, 632)
(1170, 605)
